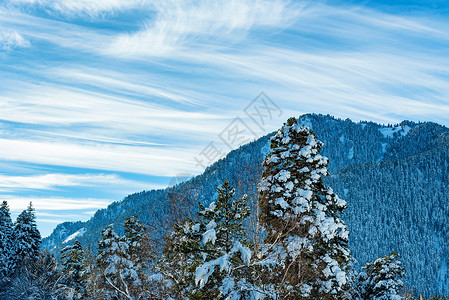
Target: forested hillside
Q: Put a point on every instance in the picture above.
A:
(392, 177)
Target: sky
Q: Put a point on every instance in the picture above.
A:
(103, 98)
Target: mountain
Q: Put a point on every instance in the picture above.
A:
(393, 177)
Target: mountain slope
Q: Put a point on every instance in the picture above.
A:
(393, 178)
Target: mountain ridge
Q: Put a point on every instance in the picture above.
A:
(357, 152)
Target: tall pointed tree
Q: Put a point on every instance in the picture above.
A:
(306, 239)
(223, 241)
(208, 257)
(113, 261)
(181, 257)
(7, 253)
(27, 237)
(74, 269)
(140, 253)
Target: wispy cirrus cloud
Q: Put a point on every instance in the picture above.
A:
(12, 40)
(18, 203)
(142, 160)
(103, 116)
(91, 8)
(141, 86)
(179, 25)
(53, 181)
(169, 26)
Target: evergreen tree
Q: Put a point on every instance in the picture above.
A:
(306, 242)
(140, 253)
(209, 257)
(74, 269)
(382, 279)
(181, 257)
(38, 278)
(27, 237)
(7, 253)
(136, 236)
(225, 257)
(116, 268)
(228, 215)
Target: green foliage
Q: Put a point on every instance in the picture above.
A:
(140, 253)
(229, 215)
(181, 257)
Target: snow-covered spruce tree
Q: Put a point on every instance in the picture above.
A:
(140, 253)
(74, 270)
(212, 256)
(306, 242)
(181, 256)
(382, 279)
(38, 278)
(226, 257)
(116, 269)
(7, 253)
(26, 236)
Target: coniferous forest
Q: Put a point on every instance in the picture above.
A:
(287, 239)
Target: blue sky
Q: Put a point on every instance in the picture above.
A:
(102, 98)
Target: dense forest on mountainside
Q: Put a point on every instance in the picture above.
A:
(392, 177)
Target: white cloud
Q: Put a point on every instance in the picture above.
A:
(60, 33)
(87, 7)
(143, 160)
(52, 181)
(18, 203)
(179, 24)
(12, 39)
(67, 106)
(118, 82)
(171, 26)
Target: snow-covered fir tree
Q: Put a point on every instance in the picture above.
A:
(37, 278)
(113, 263)
(74, 270)
(382, 279)
(181, 257)
(223, 244)
(306, 245)
(26, 236)
(117, 274)
(7, 252)
(140, 252)
(214, 251)
(137, 237)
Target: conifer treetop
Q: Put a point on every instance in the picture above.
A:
(26, 234)
(305, 236)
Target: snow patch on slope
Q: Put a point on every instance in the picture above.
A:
(74, 235)
(388, 132)
(384, 147)
(351, 153)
